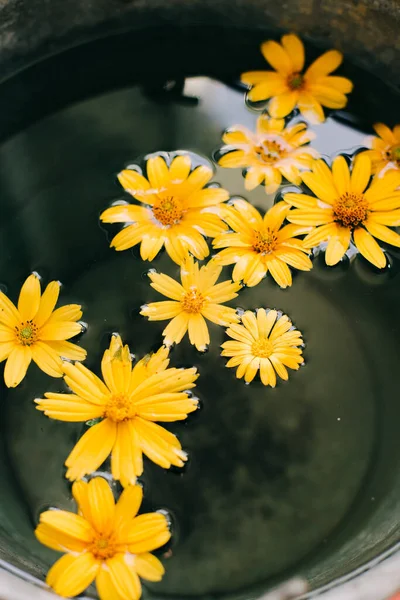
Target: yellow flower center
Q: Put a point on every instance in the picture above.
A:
(262, 348)
(295, 81)
(264, 242)
(351, 209)
(119, 408)
(102, 547)
(193, 302)
(27, 333)
(270, 151)
(168, 211)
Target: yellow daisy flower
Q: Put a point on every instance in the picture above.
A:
(266, 341)
(105, 542)
(260, 245)
(348, 207)
(273, 152)
(176, 210)
(385, 151)
(196, 299)
(289, 87)
(34, 330)
(128, 403)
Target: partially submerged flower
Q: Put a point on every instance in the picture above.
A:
(385, 153)
(176, 209)
(36, 331)
(197, 298)
(273, 152)
(260, 245)
(128, 402)
(348, 207)
(105, 542)
(265, 341)
(289, 86)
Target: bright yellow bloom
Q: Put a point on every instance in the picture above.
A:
(197, 299)
(260, 245)
(36, 331)
(348, 207)
(265, 341)
(289, 87)
(105, 542)
(270, 153)
(128, 403)
(176, 210)
(385, 153)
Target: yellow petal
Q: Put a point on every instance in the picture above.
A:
(29, 298)
(361, 173)
(67, 350)
(321, 182)
(251, 370)
(161, 446)
(60, 330)
(279, 367)
(300, 200)
(324, 64)
(58, 540)
(68, 407)
(126, 458)
(17, 365)
(267, 125)
(126, 213)
(310, 108)
(288, 232)
(85, 383)
(133, 182)
(268, 89)
(80, 495)
(319, 235)
(241, 370)
(276, 215)
(385, 133)
(382, 232)
(282, 325)
(167, 407)
(283, 104)
(234, 136)
(70, 312)
(128, 505)
(157, 172)
(147, 532)
(117, 579)
(6, 333)
(234, 159)
(102, 505)
(207, 197)
(47, 359)
(148, 567)
(167, 286)
(159, 311)
(337, 246)
(221, 315)
(265, 321)
(312, 217)
(254, 178)
(91, 450)
(198, 332)
(255, 272)
(223, 292)
(71, 575)
(280, 272)
(341, 175)
(47, 302)
(369, 248)
(8, 313)
(67, 523)
(327, 96)
(176, 329)
(390, 217)
(197, 179)
(254, 78)
(295, 49)
(151, 246)
(277, 57)
(294, 258)
(180, 168)
(341, 84)
(267, 373)
(130, 236)
(382, 188)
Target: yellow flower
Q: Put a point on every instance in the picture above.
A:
(265, 341)
(176, 210)
(36, 331)
(385, 151)
(260, 245)
(348, 207)
(197, 299)
(128, 403)
(270, 153)
(105, 542)
(289, 87)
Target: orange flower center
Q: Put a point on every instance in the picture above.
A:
(295, 81)
(168, 211)
(119, 408)
(270, 151)
(262, 348)
(264, 242)
(351, 209)
(102, 547)
(27, 333)
(193, 302)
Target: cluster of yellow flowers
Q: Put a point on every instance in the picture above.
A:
(178, 208)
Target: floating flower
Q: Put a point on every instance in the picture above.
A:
(270, 153)
(196, 299)
(385, 153)
(105, 542)
(36, 331)
(288, 86)
(176, 210)
(348, 207)
(260, 245)
(265, 341)
(128, 403)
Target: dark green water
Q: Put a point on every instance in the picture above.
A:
(277, 479)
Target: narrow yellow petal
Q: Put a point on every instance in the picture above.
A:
(176, 329)
(6, 333)
(221, 315)
(67, 350)
(17, 365)
(254, 177)
(180, 168)
(198, 332)
(58, 540)
(279, 367)
(382, 232)
(310, 108)
(159, 445)
(268, 88)
(341, 175)
(241, 135)
(320, 234)
(328, 96)
(311, 217)
(324, 64)
(8, 313)
(280, 272)
(241, 370)
(148, 567)
(91, 450)
(276, 215)
(207, 197)
(282, 325)
(133, 182)
(68, 407)
(117, 579)
(47, 359)
(390, 217)
(223, 292)
(126, 458)
(361, 173)
(234, 159)
(64, 522)
(147, 532)
(151, 246)
(250, 322)
(277, 56)
(251, 370)
(59, 330)
(70, 312)
(102, 505)
(197, 179)
(265, 321)
(80, 495)
(157, 172)
(47, 303)
(282, 105)
(128, 505)
(71, 575)
(385, 133)
(85, 383)
(167, 286)
(337, 246)
(159, 311)
(295, 50)
(369, 248)
(267, 372)
(29, 298)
